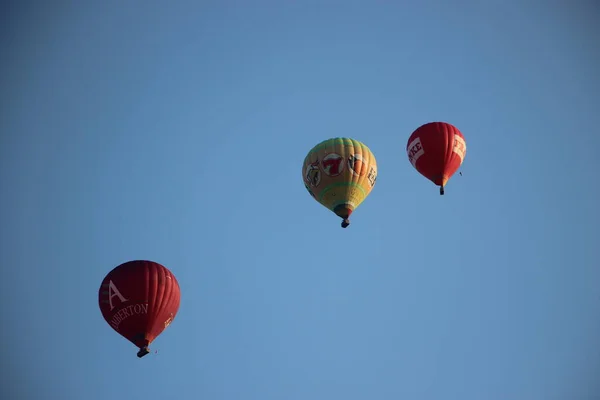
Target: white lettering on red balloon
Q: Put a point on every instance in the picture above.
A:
(126, 312)
(112, 292)
(169, 320)
(414, 151)
(460, 147)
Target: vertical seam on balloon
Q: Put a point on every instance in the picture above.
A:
(170, 299)
(340, 148)
(353, 178)
(453, 155)
(329, 147)
(149, 296)
(444, 161)
(354, 145)
(160, 296)
(372, 163)
(343, 152)
(364, 160)
(151, 317)
(347, 149)
(167, 296)
(156, 328)
(176, 300)
(448, 150)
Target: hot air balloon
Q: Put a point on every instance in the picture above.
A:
(139, 299)
(436, 150)
(340, 173)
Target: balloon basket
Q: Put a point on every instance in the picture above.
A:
(143, 351)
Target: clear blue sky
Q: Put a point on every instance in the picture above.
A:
(176, 133)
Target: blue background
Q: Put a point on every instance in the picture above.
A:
(175, 131)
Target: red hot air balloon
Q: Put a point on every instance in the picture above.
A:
(436, 150)
(139, 299)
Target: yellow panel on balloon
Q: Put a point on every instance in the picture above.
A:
(340, 173)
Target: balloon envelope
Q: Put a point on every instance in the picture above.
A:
(139, 299)
(436, 150)
(340, 173)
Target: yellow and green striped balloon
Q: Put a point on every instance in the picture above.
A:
(340, 173)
